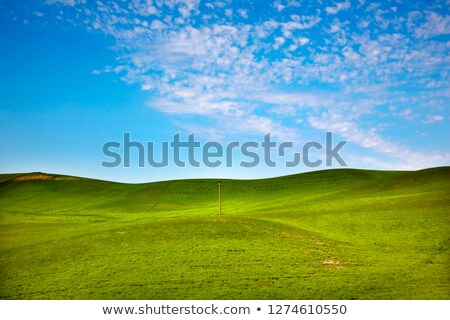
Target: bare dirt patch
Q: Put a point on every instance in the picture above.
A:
(332, 263)
(327, 261)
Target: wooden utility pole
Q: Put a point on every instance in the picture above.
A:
(220, 200)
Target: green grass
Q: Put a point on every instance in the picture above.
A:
(335, 234)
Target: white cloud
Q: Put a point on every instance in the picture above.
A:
(338, 6)
(433, 118)
(143, 8)
(405, 158)
(279, 41)
(302, 41)
(67, 2)
(285, 110)
(373, 6)
(281, 5)
(156, 25)
(257, 76)
(299, 23)
(243, 13)
(407, 114)
(435, 25)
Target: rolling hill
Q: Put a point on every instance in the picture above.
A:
(334, 234)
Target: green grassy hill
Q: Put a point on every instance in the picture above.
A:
(335, 234)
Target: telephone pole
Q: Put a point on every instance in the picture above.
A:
(220, 200)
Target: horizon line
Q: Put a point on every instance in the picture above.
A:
(22, 174)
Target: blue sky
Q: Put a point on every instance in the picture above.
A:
(78, 73)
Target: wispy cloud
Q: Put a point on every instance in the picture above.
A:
(434, 25)
(66, 2)
(338, 6)
(218, 61)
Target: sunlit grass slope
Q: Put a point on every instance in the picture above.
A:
(335, 234)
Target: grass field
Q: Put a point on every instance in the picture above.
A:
(335, 234)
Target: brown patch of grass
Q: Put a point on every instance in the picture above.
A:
(330, 262)
(34, 176)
